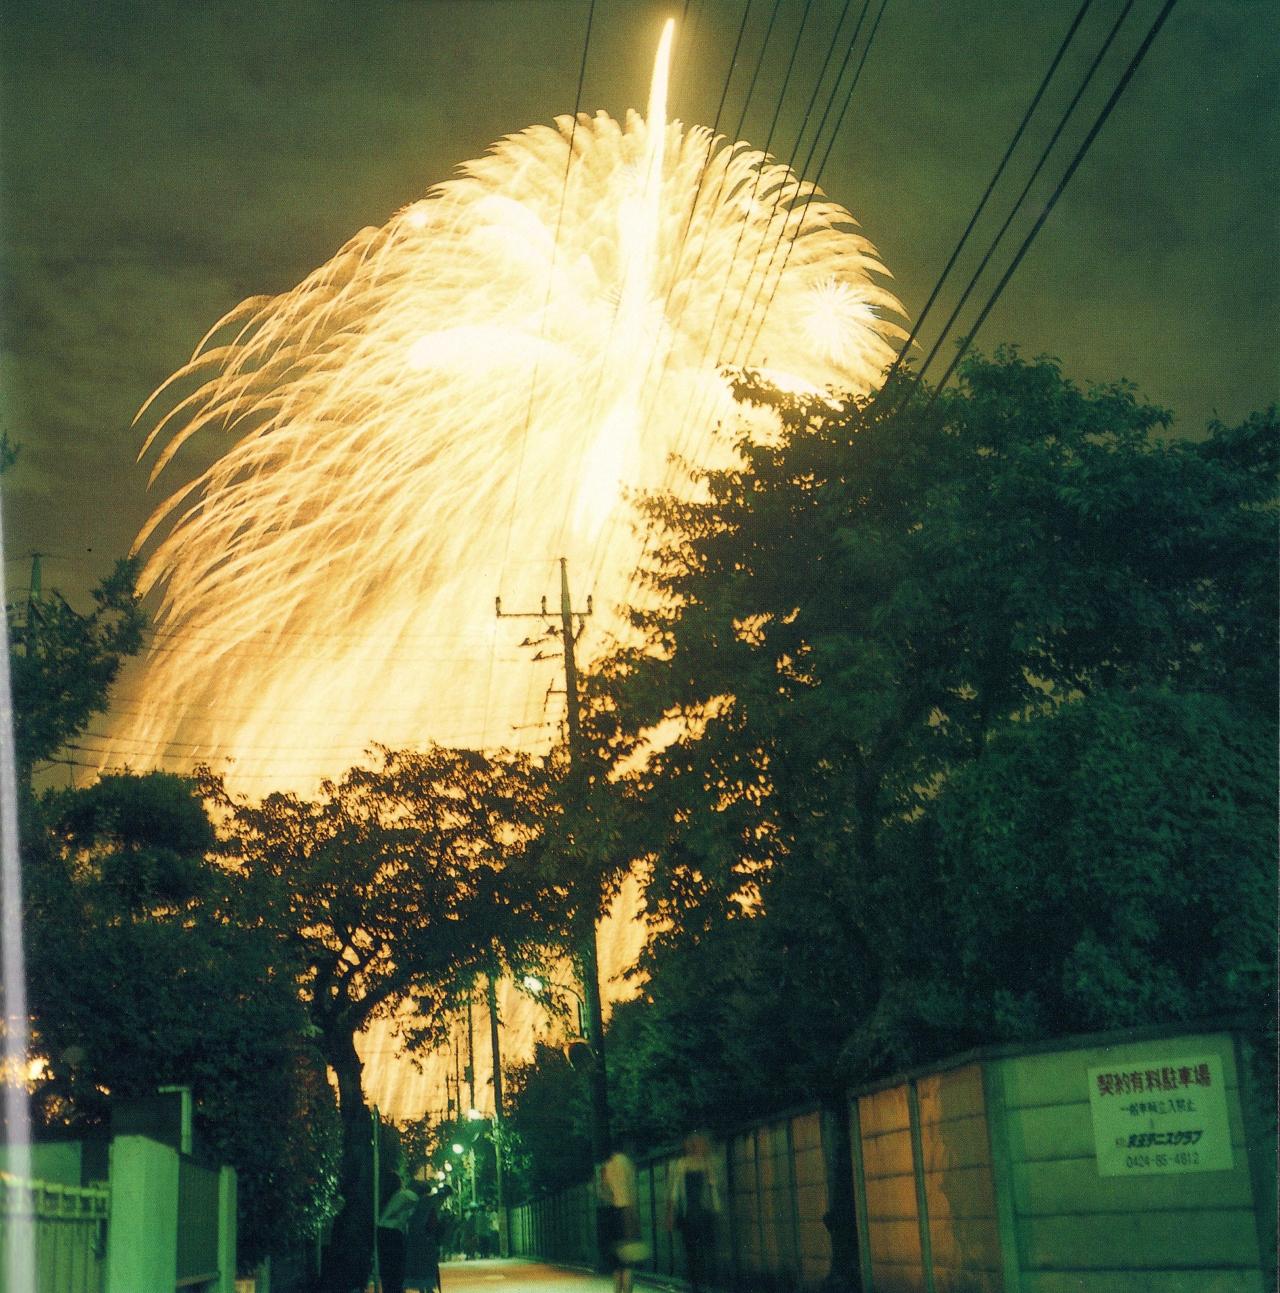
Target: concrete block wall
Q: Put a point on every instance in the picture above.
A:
(1075, 1229)
(770, 1233)
(810, 1176)
(893, 1260)
(959, 1191)
(977, 1175)
(984, 1176)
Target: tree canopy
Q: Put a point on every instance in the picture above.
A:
(863, 607)
(393, 888)
(146, 969)
(62, 663)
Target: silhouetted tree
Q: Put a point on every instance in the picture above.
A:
(394, 887)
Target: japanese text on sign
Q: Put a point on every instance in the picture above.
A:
(1160, 1116)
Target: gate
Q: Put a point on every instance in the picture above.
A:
(66, 1225)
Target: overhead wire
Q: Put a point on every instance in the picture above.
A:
(689, 428)
(1081, 152)
(674, 277)
(1065, 179)
(615, 520)
(798, 171)
(990, 189)
(1020, 200)
(546, 305)
(814, 189)
(603, 546)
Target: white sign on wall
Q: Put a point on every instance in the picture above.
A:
(1160, 1115)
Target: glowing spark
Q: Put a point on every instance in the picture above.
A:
(329, 579)
(452, 402)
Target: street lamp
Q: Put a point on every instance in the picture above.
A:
(539, 987)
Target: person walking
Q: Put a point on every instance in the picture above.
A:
(621, 1220)
(427, 1226)
(392, 1227)
(693, 1203)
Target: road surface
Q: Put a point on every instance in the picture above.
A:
(516, 1276)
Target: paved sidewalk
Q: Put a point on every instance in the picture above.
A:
(514, 1275)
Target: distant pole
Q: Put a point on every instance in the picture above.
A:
(457, 1072)
(471, 1055)
(504, 1227)
(375, 1124)
(590, 893)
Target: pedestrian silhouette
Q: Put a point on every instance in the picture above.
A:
(693, 1203)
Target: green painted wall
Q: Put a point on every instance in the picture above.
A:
(1005, 1189)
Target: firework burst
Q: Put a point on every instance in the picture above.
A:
(452, 402)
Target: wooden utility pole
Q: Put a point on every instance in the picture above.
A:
(588, 887)
(504, 1222)
(589, 892)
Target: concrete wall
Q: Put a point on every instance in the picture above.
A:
(979, 1175)
(770, 1233)
(960, 1202)
(142, 1237)
(889, 1203)
(1184, 1232)
(810, 1178)
(987, 1176)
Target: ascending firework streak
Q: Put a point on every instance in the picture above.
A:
(453, 401)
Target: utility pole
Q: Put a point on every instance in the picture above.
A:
(588, 886)
(504, 1225)
(471, 1056)
(34, 594)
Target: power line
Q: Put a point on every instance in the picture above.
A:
(690, 424)
(1134, 63)
(1026, 189)
(797, 171)
(674, 276)
(611, 529)
(605, 541)
(995, 179)
(546, 305)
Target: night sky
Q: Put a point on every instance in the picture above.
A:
(161, 162)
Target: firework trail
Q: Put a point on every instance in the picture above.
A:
(452, 402)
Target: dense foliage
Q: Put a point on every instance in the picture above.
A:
(901, 648)
(62, 663)
(145, 970)
(548, 1108)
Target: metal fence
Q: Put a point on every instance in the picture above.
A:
(67, 1227)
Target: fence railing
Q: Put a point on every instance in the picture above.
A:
(66, 1228)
